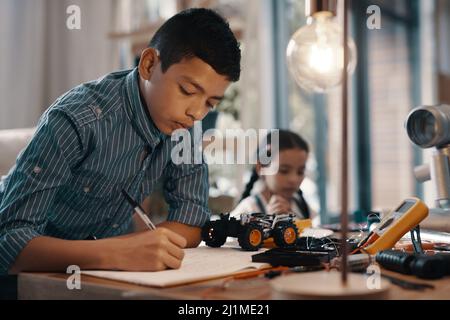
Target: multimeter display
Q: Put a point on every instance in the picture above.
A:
(385, 224)
(405, 206)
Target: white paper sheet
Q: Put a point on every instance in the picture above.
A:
(198, 264)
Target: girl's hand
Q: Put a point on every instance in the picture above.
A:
(278, 205)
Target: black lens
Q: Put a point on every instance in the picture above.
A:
(421, 128)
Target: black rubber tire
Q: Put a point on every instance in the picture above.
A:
(244, 237)
(213, 236)
(278, 234)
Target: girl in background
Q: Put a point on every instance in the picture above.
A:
(279, 193)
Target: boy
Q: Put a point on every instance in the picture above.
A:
(110, 135)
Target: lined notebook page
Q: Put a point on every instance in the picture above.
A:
(200, 263)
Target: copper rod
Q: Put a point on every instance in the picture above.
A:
(344, 154)
(314, 6)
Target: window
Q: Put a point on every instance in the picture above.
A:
(385, 88)
(390, 67)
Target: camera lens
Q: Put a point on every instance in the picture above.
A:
(429, 126)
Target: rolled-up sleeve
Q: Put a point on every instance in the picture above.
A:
(30, 188)
(186, 191)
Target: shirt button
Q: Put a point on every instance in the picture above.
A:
(115, 226)
(98, 111)
(37, 170)
(87, 189)
(144, 154)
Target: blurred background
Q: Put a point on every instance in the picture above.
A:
(404, 64)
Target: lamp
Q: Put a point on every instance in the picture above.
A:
(315, 52)
(316, 57)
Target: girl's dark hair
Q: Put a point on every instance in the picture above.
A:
(287, 140)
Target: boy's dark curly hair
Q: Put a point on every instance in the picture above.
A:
(200, 33)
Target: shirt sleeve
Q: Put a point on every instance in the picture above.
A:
(186, 190)
(30, 188)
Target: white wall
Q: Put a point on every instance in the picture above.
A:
(40, 58)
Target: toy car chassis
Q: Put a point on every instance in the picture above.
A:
(251, 230)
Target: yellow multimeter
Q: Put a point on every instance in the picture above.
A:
(396, 224)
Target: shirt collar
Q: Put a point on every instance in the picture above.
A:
(137, 111)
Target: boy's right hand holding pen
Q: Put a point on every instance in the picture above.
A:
(153, 250)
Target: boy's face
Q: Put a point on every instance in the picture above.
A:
(185, 93)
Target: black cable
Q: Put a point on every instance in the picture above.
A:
(417, 242)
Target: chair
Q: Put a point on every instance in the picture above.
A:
(11, 143)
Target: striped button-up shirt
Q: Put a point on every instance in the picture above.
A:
(94, 141)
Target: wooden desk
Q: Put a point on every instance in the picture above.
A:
(53, 286)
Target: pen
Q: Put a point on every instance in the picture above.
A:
(255, 273)
(139, 210)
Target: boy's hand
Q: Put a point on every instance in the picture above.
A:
(154, 250)
(278, 205)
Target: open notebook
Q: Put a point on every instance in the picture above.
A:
(201, 263)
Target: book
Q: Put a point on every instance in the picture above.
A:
(202, 263)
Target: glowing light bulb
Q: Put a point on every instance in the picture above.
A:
(315, 54)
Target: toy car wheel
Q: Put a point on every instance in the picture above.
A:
(213, 236)
(251, 237)
(285, 235)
